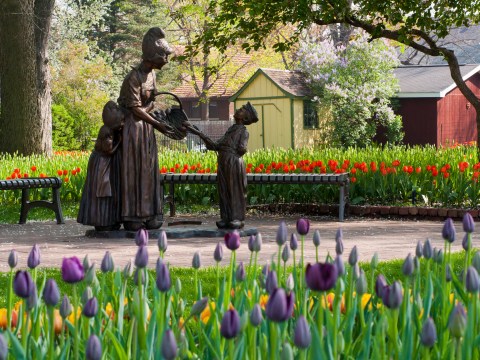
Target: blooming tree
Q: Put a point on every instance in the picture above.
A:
(355, 82)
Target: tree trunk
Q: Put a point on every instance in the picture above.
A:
(25, 118)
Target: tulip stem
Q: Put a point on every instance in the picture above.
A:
(226, 297)
(253, 347)
(273, 341)
(9, 301)
(25, 332)
(231, 349)
(141, 321)
(302, 276)
(322, 297)
(75, 323)
(196, 285)
(218, 281)
(52, 331)
(279, 266)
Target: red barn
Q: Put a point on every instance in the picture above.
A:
(433, 109)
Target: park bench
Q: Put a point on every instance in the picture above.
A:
(342, 180)
(26, 184)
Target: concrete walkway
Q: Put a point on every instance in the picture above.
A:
(390, 238)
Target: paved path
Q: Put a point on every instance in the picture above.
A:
(390, 238)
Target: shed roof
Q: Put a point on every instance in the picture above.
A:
(292, 83)
(429, 80)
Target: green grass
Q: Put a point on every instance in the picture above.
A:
(391, 269)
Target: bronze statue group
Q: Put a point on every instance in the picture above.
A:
(123, 179)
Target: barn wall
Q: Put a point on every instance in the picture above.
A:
(419, 117)
(456, 116)
(303, 137)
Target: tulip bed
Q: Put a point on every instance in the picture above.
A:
(393, 175)
(288, 310)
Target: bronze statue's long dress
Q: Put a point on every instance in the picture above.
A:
(231, 173)
(142, 194)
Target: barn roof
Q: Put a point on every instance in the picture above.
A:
(292, 83)
(429, 80)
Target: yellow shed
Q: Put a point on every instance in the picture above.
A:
(287, 115)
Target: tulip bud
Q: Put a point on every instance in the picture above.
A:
(86, 295)
(448, 231)
(392, 295)
(23, 285)
(285, 253)
(256, 317)
(163, 276)
(280, 305)
(472, 281)
(65, 307)
(374, 261)
(302, 336)
(468, 223)
(218, 253)
(72, 270)
(271, 283)
(93, 349)
(408, 266)
(356, 271)
(316, 238)
(251, 239)
(282, 234)
(3, 348)
(232, 240)
(466, 244)
(199, 306)
(240, 273)
(448, 273)
(128, 269)
(107, 263)
(32, 299)
(321, 277)
(141, 237)
(91, 307)
(230, 326)
(86, 262)
(293, 242)
(457, 321)
(416, 264)
(263, 275)
(169, 345)
(380, 285)
(303, 226)
(438, 256)
(353, 257)
(361, 284)
(162, 242)
(196, 260)
(178, 285)
(90, 275)
(34, 257)
(339, 242)
(427, 250)
(141, 258)
(476, 261)
(419, 249)
(340, 265)
(428, 337)
(290, 283)
(257, 243)
(51, 294)
(287, 352)
(12, 259)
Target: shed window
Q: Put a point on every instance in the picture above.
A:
(310, 116)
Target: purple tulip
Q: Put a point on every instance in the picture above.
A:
(408, 267)
(280, 305)
(340, 265)
(471, 280)
(141, 237)
(196, 263)
(72, 270)
(163, 276)
(302, 336)
(321, 276)
(230, 326)
(256, 317)
(34, 257)
(293, 242)
(448, 273)
(91, 307)
(251, 239)
(240, 272)
(428, 337)
(162, 242)
(468, 223)
(380, 285)
(303, 226)
(93, 349)
(169, 345)
(51, 294)
(271, 283)
(353, 257)
(65, 307)
(419, 249)
(32, 299)
(316, 238)
(218, 253)
(107, 263)
(457, 321)
(466, 244)
(23, 285)
(448, 231)
(392, 296)
(128, 269)
(339, 242)
(285, 253)
(255, 243)
(282, 234)
(12, 259)
(141, 258)
(427, 249)
(232, 240)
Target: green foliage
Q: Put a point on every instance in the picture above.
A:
(63, 123)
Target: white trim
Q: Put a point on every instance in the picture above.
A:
(453, 85)
(418, 95)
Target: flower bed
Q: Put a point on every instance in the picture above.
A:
(326, 309)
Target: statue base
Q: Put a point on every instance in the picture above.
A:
(182, 233)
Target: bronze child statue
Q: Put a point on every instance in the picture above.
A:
(100, 205)
(231, 172)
